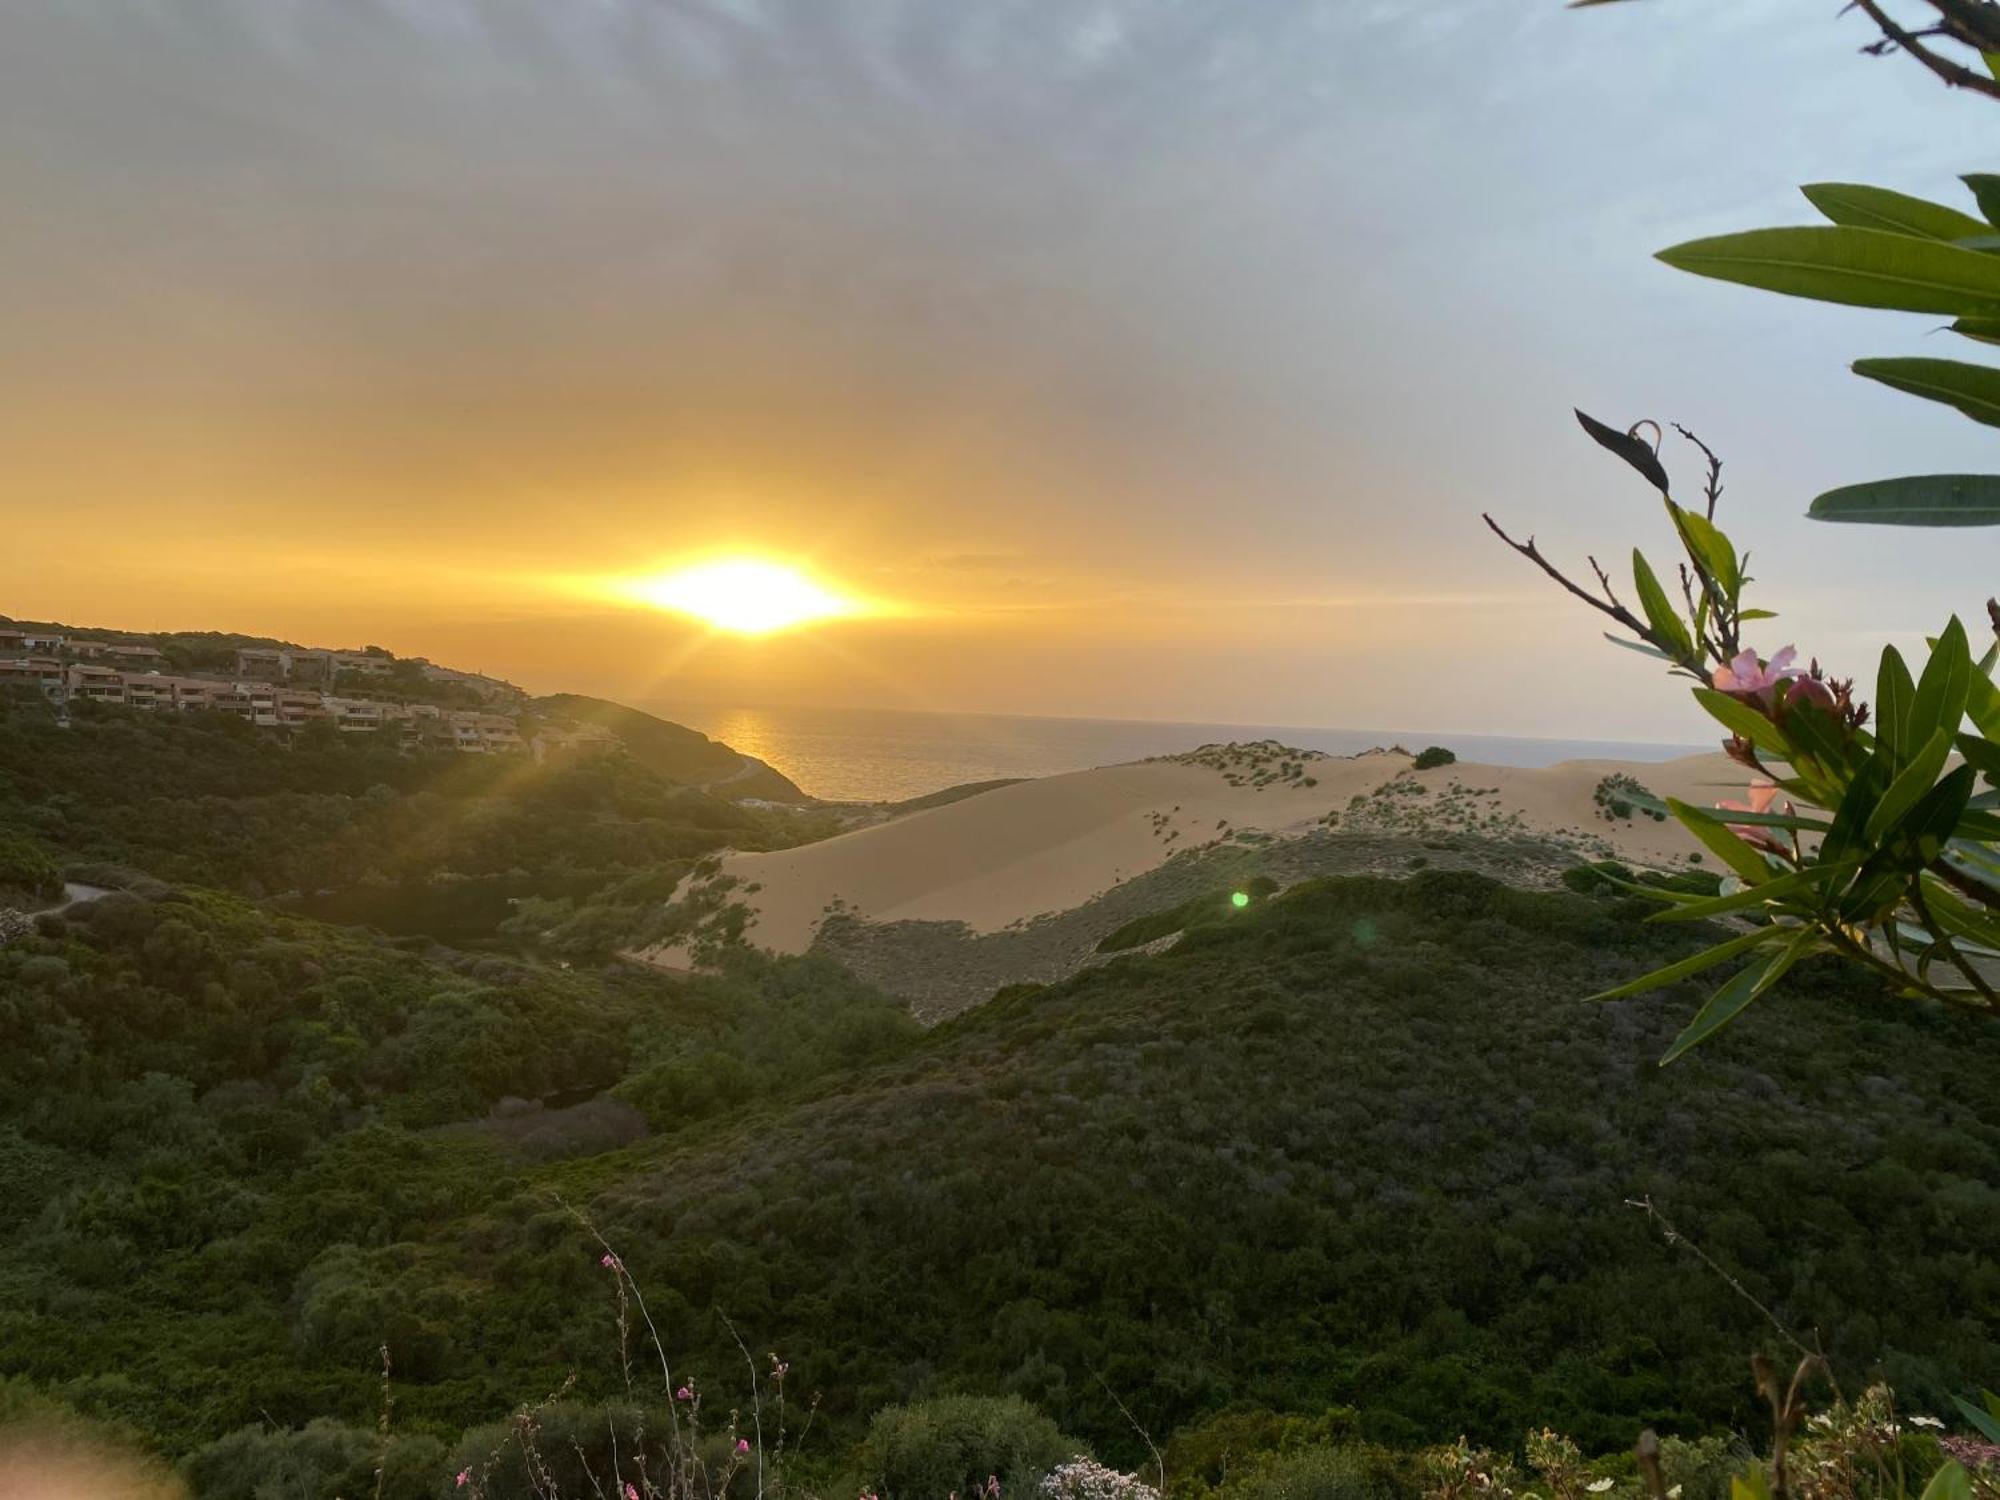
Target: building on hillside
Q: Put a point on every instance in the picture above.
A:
(88, 684)
(466, 730)
(148, 690)
(42, 673)
(296, 708)
(305, 667)
(133, 655)
(218, 697)
(491, 689)
(496, 734)
(17, 643)
(156, 690)
(274, 705)
(361, 715)
(263, 664)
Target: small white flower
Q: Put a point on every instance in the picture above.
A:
(1599, 1486)
(1927, 1422)
(1674, 1493)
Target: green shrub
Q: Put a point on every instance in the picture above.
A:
(1703, 1468)
(1209, 907)
(1432, 756)
(1206, 1453)
(1343, 1473)
(952, 1444)
(323, 1460)
(1597, 877)
(577, 1448)
(25, 870)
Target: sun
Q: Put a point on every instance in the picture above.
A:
(744, 595)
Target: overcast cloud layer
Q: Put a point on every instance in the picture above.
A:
(1159, 357)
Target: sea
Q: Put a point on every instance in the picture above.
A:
(888, 755)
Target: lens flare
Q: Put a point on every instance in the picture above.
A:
(744, 595)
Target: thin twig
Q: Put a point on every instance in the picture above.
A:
(1159, 1463)
(1712, 486)
(382, 1452)
(1616, 611)
(1675, 1237)
(756, 1401)
(638, 1297)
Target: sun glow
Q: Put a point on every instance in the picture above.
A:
(745, 595)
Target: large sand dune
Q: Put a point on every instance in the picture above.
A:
(1018, 852)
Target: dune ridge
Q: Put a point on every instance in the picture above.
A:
(1019, 852)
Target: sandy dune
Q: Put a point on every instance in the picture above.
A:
(1051, 844)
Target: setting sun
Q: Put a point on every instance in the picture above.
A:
(746, 595)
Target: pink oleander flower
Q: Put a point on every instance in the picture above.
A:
(464, 1478)
(743, 1445)
(1745, 675)
(631, 1491)
(609, 1262)
(1762, 794)
(684, 1394)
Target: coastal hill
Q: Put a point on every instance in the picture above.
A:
(365, 795)
(673, 749)
(1023, 881)
(324, 1057)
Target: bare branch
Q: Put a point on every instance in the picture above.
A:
(1712, 486)
(1616, 611)
(1603, 578)
(1955, 75)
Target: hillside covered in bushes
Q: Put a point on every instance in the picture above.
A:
(1364, 1150)
(570, 856)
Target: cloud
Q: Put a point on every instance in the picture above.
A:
(1089, 304)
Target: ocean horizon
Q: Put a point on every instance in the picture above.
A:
(888, 754)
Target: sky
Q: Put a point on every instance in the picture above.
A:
(1141, 359)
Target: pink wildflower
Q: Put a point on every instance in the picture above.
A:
(743, 1445)
(631, 1491)
(610, 1261)
(684, 1394)
(993, 1486)
(464, 1478)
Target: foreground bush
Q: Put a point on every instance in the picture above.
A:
(1352, 1472)
(324, 1460)
(955, 1444)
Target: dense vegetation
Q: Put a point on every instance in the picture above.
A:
(574, 854)
(222, 1149)
(1357, 1149)
(1198, 911)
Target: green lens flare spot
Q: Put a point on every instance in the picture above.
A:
(1240, 899)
